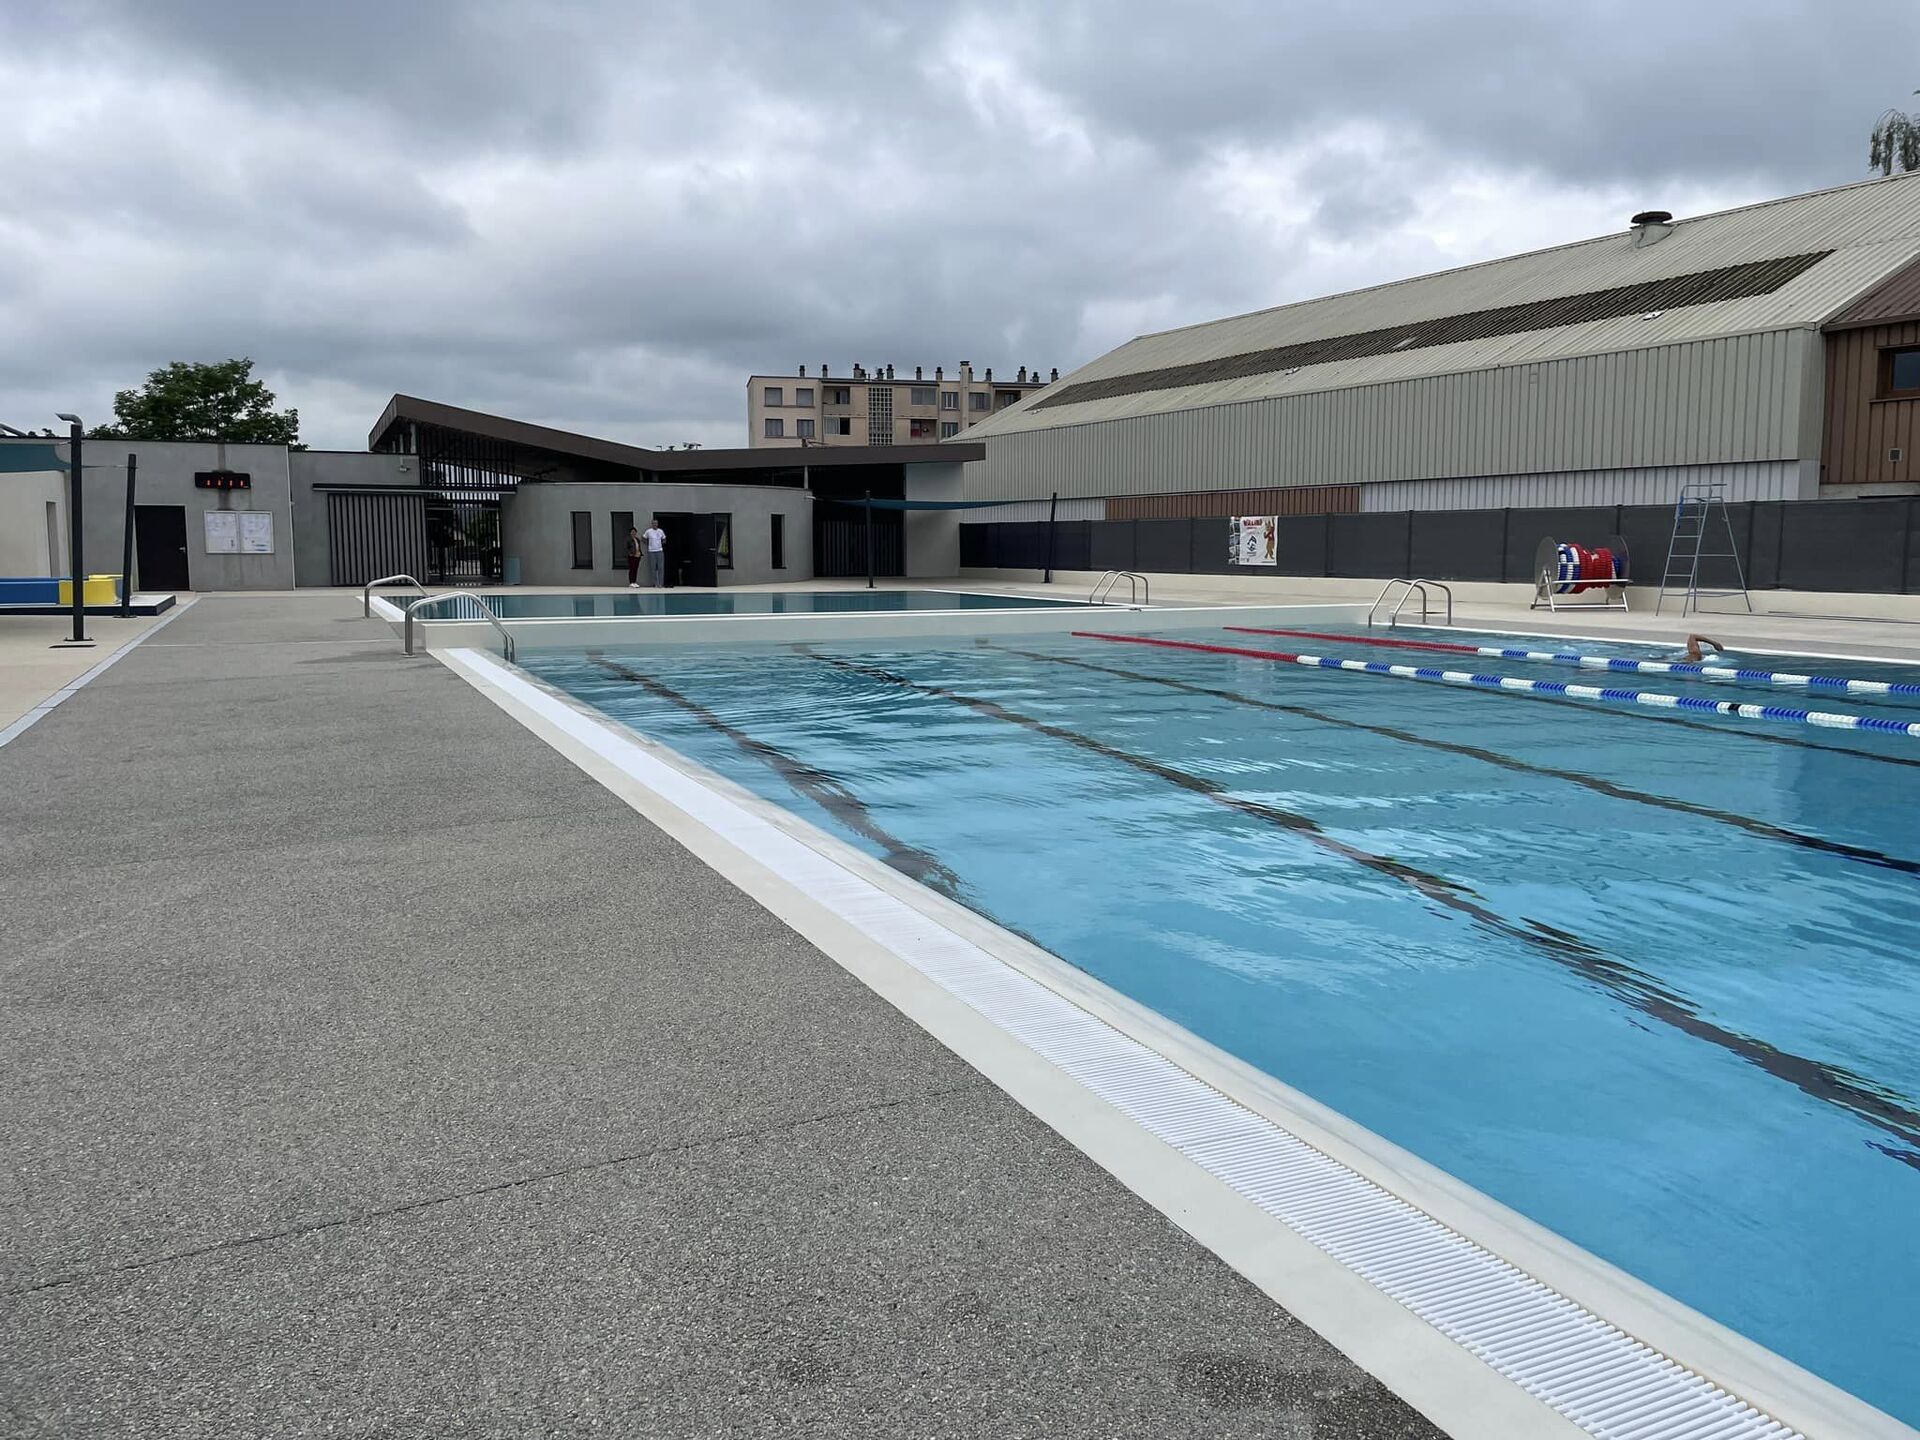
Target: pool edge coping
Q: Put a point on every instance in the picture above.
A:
(1431, 1371)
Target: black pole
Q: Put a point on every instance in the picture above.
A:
(126, 547)
(75, 551)
(1053, 509)
(869, 539)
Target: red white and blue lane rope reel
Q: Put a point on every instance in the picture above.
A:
(1561, 567)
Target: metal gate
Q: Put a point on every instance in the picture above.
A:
(840, 546)
(463, 539)
(371, 534)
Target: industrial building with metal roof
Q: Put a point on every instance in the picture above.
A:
(1775, 347)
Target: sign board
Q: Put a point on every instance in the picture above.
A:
(222, 480)
(256, 532)
(223, 532)
(1254, 540)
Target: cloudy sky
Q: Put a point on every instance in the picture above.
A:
(604, 216)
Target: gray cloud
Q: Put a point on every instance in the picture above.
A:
(605, 217)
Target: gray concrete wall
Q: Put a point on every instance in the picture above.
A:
(537, 528)
(309, 468)
(933, 536)
(165, 477)
(23, 523)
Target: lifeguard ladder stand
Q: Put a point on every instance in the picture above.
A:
(1701, 503)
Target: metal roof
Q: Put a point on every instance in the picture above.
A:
(1869, 232)
(404, 408)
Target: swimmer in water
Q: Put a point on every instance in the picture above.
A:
(1694, 642)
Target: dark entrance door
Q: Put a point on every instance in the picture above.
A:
(690, 543)
(160, 545)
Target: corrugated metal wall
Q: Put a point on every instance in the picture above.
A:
(1737, 399)
(1653, 485)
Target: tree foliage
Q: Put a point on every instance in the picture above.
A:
(1895, 143)
(218, 401)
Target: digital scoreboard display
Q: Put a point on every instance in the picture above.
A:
(222, 480)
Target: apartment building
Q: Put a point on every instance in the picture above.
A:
(876, 407)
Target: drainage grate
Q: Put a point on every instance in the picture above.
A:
(1597, 1376)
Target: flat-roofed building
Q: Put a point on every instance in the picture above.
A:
(874, 407)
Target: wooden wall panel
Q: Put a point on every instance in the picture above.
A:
(1860, 428)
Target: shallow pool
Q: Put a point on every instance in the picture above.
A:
(1650, 979)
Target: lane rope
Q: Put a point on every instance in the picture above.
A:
(1826, 719)
(1839, 683)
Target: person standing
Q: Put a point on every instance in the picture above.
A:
(633, 557)
(656, 543)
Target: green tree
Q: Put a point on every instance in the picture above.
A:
(219, 401)
(1895, 142)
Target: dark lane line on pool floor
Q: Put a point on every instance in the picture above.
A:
(1751, 824)
(823, 789)
(1831, 1084)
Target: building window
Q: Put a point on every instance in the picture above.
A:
(842, 426)
(804, 429)
(622, 522)
(922, 395)
(776, 428)
(1004, 398)
(976, 402)
(920, 429)
(803, 396)
(583, 539)
(949, 427)
(723, 542)
(1900, 372)
(779, 542)
(949, 399)
(839, 395)
(773, 395)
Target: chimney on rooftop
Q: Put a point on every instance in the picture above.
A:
(1650, 227)
(889, 372)
(1056, 373)
(989, 374)
(1022, 376)
(803, 372)
(916, 373)
(936, 372)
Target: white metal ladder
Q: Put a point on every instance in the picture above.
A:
(1701, 502)
(1405, 595)
(1139, 591)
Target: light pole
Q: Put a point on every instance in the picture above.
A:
(76, 556)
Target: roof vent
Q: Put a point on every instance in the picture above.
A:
(1650, 226)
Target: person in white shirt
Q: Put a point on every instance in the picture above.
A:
(655, 539)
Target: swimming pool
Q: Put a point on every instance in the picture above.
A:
(603, 604)
(1646, 978)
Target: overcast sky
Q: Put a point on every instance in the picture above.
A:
(604, 216)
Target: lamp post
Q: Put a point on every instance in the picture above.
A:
(76, 555)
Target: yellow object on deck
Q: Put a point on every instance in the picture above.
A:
(99, 590)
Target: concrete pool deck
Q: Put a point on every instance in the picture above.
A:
(372, 1070)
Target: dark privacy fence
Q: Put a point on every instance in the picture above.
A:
(1861, 545)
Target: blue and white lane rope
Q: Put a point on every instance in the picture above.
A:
(1827, 719)
(1839, 683)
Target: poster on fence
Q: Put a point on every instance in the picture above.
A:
(1253, 540)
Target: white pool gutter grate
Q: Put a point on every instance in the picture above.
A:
(1597, 1376)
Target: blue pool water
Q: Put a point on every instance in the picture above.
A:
(1652, 981)
(521, 605)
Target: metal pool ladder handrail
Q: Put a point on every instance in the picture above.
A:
(486, 610)
(1110, 582)
(1407, 594)
(366, 592)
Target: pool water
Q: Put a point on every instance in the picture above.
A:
(1650, 980)
(602, 604)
